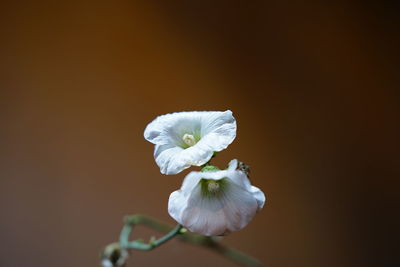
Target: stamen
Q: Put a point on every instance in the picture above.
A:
(189, 139)
(213, 186)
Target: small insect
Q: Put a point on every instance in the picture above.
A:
(244, 168)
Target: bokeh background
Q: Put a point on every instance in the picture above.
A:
(313, 86)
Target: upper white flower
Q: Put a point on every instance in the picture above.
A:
(183, 139)
(216, 202)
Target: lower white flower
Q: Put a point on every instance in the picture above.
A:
(216, 202)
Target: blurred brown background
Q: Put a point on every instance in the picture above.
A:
(313, 86)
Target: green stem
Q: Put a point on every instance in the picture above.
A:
(140, 245)
(181, 233)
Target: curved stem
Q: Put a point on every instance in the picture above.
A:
(140, 245)
(205, 241)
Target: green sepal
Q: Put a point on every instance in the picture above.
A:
(210, 168)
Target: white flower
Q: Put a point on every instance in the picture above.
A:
(183, 139)
(216, 202)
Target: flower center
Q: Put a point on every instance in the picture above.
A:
(189, 139)
(213, 187)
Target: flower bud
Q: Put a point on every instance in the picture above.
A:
(114, 256)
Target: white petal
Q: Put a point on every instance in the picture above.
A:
(165, 156)
(193, 178)
(218, 129)
(174, 125)
(233, 165)
(241, 179)
(238, 176)
(176, 205)
(240, 207)
(173, 159)
(259, 196)
(170, 128)
(191, 181)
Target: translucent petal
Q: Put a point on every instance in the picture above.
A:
(259, 196)
(176, 205)
(174, 159)
(193, 178)
(241, 179)
(218, 129)
(166, 158)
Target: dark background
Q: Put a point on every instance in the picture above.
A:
(313, 86)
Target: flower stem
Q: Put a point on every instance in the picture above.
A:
(140, 245)
(181, 233)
